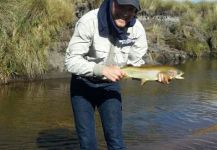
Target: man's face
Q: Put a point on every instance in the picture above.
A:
(122, 14)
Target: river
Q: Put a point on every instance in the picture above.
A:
(178, 116)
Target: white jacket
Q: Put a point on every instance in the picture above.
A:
(88, 52)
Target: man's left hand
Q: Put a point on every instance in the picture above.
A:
(164, 78)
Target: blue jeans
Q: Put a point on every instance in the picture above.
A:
(86, 95)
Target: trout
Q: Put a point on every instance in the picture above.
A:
(150, 73)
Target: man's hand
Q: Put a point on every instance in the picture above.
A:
(113, 73)
(164, 78)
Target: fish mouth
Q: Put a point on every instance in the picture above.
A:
(179, 76)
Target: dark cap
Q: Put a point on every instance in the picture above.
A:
(134, 3)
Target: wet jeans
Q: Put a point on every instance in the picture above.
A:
(86, 95)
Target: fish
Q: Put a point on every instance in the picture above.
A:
(150, 72)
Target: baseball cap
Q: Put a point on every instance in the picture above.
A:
(134, 3)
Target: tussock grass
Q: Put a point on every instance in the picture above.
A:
(169, 6)
(27, 29)
(201, 14)
(155, 33)
(194, 47)
(200, 17)
(210, 21)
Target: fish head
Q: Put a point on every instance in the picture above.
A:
(179, 75)
(175, 74)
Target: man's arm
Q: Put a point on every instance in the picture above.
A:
(77, 49)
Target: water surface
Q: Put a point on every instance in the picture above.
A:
(178, 116)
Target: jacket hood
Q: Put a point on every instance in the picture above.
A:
(105, 21)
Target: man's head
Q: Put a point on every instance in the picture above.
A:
(123, 11)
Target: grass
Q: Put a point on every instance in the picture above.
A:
(194, 47)
(155, 34)
(170, 6)
(200, 17)
(28, 29)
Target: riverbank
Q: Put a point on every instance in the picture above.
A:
(33, 40)
(170, 39)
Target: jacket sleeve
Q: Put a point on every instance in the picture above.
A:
(78, 48)
(139, 48)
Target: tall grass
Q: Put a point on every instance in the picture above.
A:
(200, 17)
(209, 22)
(27, 29)
(203, 19)
(155, 34)
(170, 6)
(7, 23)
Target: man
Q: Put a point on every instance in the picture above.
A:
(104, 40)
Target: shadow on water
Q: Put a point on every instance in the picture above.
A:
(57, 139)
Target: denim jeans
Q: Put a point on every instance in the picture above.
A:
(86, 95)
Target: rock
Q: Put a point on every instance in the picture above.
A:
(83, 7)
(56, 57)
(164, 55)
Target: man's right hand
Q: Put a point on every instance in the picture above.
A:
(113, 73)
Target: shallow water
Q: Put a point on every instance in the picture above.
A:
(178, 116)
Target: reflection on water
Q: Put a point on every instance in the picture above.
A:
(57, 139)
(182, 115)
(165, 117)
(36, 115)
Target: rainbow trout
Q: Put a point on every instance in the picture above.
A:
(150, 73)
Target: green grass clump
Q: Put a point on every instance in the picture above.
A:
(169, 6)
(155, 34)
(28, 27)
(194, 47)
(200, 18)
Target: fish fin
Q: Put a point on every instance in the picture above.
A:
(143, 81)
(126, 77)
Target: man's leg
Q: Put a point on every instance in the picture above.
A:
(85, 122)
(111, 115)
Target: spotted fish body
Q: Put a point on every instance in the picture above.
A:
(150, 73)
